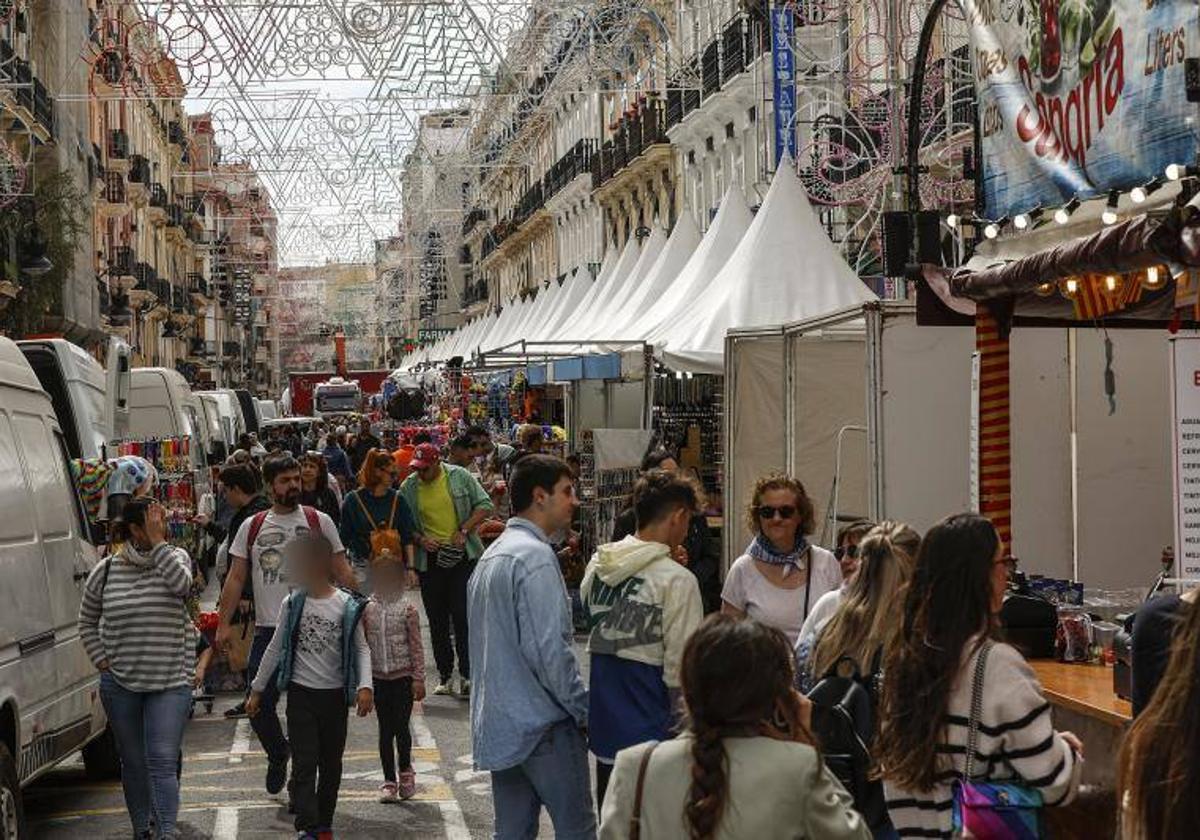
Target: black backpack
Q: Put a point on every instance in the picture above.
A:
(843, 721)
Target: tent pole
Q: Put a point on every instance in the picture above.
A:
(995, 428)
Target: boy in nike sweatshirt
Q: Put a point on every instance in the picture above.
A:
(641, 606)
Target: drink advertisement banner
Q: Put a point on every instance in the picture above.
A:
(1077, 97)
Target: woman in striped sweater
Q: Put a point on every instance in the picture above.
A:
(950, 612)
(135, 627)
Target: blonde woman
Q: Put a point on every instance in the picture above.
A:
(858, 620)
(781, 575)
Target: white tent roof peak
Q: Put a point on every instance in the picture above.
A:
(603, 323)
(681, 244)
(580, 321)
(785, 269)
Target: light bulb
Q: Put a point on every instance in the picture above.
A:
(1021, 221)
(1044, 289)
(1113, 284)
(1062, 216)
(1109, 216)
(1137, 195)
(952, 220)
(1174, 171)
(1154, 278)
(991, 230)
(1069, 287)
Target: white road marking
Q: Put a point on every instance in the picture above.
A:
(241, 741)
(226, 825)
(422, 737)
(453, 821)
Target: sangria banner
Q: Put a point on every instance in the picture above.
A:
(1077, 97)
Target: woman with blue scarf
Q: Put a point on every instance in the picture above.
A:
(780, 577)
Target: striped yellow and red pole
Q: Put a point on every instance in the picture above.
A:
(995, 430)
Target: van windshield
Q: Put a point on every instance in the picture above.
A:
(337, 402)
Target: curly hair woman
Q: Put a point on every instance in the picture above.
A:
(781, 576)
(745, 766)
(949, 621)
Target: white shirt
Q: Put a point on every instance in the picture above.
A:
(749, 591)
(317, 659)
(268, 555)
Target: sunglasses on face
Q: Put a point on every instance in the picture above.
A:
(843, 551)
(768, 512)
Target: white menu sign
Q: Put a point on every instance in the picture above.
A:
(1185, 425)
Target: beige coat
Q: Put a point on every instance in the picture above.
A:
(777, 789)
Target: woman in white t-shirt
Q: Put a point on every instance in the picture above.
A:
(781, 575)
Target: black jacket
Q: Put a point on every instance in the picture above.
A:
(704, 554)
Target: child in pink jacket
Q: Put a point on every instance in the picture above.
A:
(398, 669)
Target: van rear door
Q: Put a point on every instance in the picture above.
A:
(118, 376)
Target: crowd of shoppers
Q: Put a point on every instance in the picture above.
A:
(698, 727)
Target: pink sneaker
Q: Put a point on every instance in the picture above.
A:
(408, 784)
(387, 792)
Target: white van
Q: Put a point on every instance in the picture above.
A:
(92, 404)
(162, 405)
(49, 695)
(218, 446)
(233, 425)
(267, 410)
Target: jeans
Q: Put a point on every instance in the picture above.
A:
(393, 708)
(555, 775)
(148, 727)
(316, 723)
(444, 593)
(266, 723)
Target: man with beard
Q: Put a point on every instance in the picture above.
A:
(260, 551)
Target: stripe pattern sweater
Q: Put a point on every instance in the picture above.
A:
(1017, 742)
(136, 618)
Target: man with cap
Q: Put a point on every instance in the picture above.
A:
(448, 504)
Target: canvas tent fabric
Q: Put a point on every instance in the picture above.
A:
(602, 323)
(581, 319)
(569, 294)
(731, 222)
(784, 269)
(684, 240)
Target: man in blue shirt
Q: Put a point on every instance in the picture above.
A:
(529, 705)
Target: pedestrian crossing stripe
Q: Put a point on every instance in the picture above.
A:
(426, 753)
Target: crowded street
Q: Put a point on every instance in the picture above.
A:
(600, 419)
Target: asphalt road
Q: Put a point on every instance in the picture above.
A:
(223, 795)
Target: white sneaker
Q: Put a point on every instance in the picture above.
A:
(444, 689)
(464, 687)
(388, 792)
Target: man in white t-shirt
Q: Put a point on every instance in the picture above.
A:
(260, 550)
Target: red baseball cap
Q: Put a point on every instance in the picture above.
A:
(426, 456)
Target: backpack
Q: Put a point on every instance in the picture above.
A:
(843, 721)
(384, 541)
(256, 525)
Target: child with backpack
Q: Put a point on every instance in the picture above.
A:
(319, 655)
(393, 633)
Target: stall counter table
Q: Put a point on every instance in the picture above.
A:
(1084, 703)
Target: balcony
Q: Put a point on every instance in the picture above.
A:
(118, 147)
(474, 216)
(157, 211)
(710, 68)
(176, 134)
(530, 202)
(198, 287)
(475, 292)
(121, 261)
(575, 162)
(635, 134)
(114, 200)
(139, 170)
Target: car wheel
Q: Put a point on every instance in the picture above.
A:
(12, 814)
(101, 761)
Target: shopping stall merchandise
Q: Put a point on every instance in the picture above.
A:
(688, 421)
(176, 487)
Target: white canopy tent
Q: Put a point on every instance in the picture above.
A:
(784, 269)
(682, 243)
(499, 332)
(573, 290)
(731, 222)
(580, 321)
(601, 322)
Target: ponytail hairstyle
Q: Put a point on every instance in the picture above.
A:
(871, 609)
(736, 676)
(1158, 770)
(133, 512)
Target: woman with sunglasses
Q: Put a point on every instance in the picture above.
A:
(781, 575)
(949, 620)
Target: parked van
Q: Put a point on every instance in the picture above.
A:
(162, 405)
(218, 446)
(91, 404)
(233, 424)
(267, 410)
(49, 690)
(249, 410)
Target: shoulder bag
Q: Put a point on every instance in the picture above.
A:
(635, 821)
(993, 810)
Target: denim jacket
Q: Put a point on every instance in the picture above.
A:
(468, 495)
(289, 618)
(525, 677)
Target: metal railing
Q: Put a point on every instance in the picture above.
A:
(114, 188)
(121, 261)
(635, 133)
(118, 144)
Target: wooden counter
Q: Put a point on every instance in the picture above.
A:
(1084, 689)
